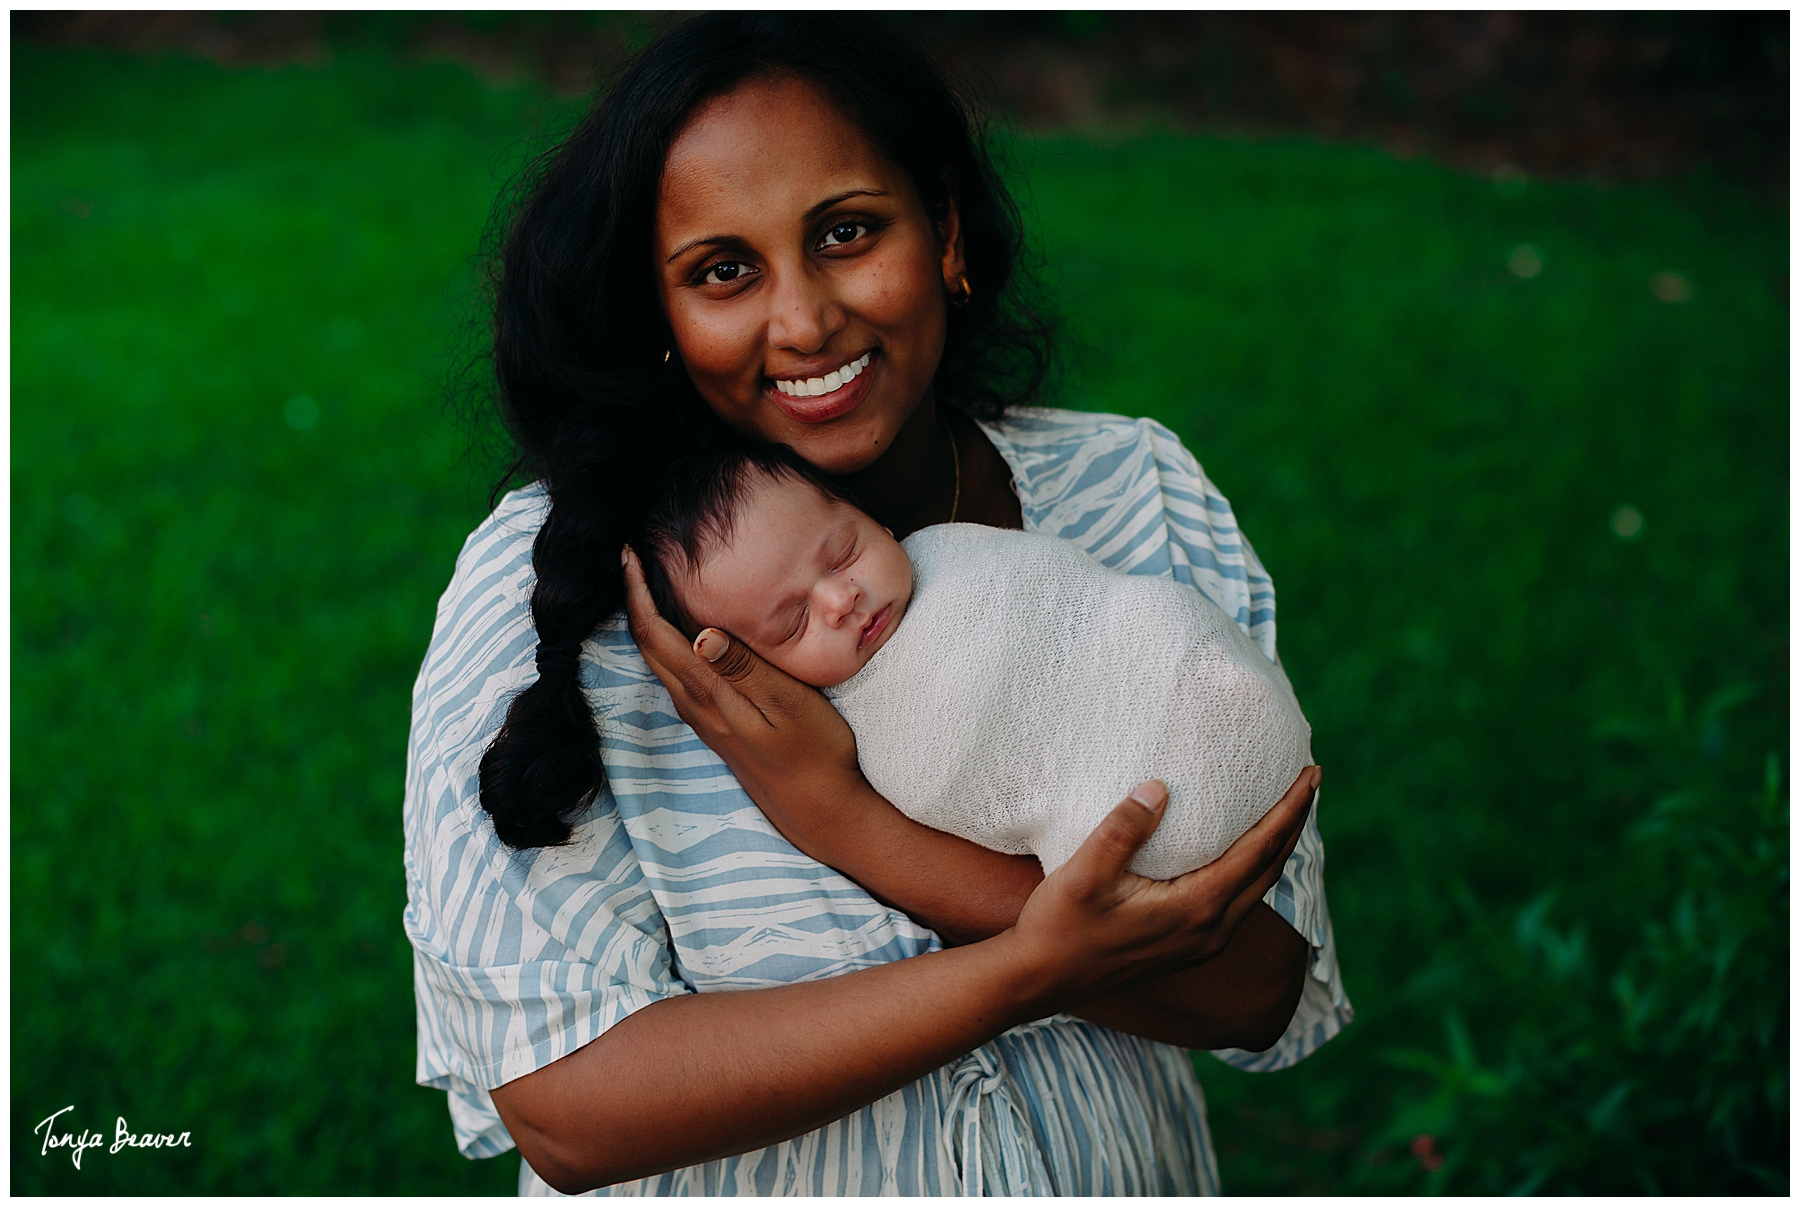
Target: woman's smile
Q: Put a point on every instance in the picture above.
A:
(819, 397)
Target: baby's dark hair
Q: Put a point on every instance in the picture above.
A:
(694, 507)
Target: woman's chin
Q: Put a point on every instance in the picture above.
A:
(858, 435)
(849, 446)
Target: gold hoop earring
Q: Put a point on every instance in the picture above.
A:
(964, 291)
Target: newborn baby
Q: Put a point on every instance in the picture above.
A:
(1002, 685)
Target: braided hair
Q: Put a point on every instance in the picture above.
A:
(598, 411)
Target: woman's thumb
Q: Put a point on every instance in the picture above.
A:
(1122, 832)
(733, 661)
(712, 644)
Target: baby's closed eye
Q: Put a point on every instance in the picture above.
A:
(796, 628)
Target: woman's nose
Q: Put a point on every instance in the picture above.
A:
(802, 314)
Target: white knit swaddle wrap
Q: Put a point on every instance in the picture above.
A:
(1028, 688)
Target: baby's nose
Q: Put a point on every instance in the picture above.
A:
(841, 598)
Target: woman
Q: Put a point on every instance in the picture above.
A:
(606, 832)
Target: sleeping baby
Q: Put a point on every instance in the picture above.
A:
(1002, 686)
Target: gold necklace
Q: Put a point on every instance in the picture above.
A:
(955, 468)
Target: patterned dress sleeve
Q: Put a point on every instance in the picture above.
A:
(519, 958)
(1129, 493)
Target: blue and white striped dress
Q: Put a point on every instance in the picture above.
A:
(675, 882)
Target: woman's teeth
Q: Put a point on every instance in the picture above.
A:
(812, 387)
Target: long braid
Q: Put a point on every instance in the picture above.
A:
(544, 765)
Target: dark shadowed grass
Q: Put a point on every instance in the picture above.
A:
(236, 497)
(235, 501)
(1529, 539)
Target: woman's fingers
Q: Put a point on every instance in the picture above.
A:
(690, 679)
(712, 644)
(1246, 900)
(730, 660)
(657, 639)
(1102, 857)
(1260, 853)
(1270, 841)
(1097, 927)
(751, 680)
(715, 680)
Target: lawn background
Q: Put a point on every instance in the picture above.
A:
(1556, 764)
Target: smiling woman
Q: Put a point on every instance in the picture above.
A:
(784, 228)
(827, 269)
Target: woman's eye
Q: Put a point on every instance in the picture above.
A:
(842, 233)
(723, 273)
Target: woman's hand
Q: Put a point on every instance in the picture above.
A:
(1097, 928)
(788, 747)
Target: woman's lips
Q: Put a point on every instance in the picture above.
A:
(823, 407)
(877, 622)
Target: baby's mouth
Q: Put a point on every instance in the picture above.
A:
(876, 624)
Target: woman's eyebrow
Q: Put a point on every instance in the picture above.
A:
(835, 198)
(703, 241)
(730, 240)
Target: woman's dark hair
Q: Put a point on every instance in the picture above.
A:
(694, 510)
(596, 409)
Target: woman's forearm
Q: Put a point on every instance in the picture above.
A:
(699, 1077)
(963, 891)
(695, 1078)
(1242, 998)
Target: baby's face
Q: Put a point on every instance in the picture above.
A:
(812, 584)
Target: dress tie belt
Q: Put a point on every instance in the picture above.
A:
(990, 1138)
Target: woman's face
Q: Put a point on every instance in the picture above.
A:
(803, 278)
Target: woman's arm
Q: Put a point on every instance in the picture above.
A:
(708, 1075)
(796, 758)
(1242, 998)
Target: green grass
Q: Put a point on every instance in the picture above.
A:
(1428, 452)
(217, 616)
